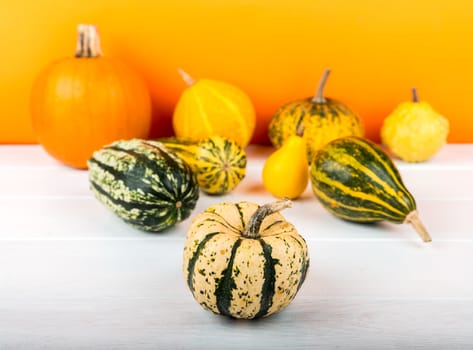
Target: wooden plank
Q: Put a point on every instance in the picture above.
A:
(140, 267)
(144, 323)
(424, 180)
(72, 275)
(59, 217)
(124, 294)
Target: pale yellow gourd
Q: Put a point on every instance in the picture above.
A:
(286, 171)
(414, 131)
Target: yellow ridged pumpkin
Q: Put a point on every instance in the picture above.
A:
(324, 119)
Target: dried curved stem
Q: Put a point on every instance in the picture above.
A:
(413, 219)
(319, 95)
(254, 224)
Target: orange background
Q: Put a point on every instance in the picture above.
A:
(275, 50)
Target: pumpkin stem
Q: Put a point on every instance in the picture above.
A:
(254, 224)
(415, 97)
(319, 95)
(88, 41)
(413, 219)
(186, 77)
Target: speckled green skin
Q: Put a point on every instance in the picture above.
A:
(322, 121)
(144, 183)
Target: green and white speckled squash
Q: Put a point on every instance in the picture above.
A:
(243, 260)
(144, 183)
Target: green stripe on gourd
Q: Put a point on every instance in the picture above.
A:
(144, 183)
(226, 283)
(269, 276)
(356, 180)
(239, 266)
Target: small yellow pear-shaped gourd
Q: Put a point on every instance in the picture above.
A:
(286, 171)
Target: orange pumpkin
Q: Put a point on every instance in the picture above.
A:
(81, 103)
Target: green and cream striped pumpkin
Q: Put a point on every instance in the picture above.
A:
(144, 183)
(243, 260)
(220, 163)
(356, 180)
(324, 119)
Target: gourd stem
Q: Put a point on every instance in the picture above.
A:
(413, 219)
(319, 95)
(415, 97)
(88, 42)
(254, 224)
(186, 77)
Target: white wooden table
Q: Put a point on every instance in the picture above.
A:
(74, 276)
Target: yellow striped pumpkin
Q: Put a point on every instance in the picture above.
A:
(356, 180)
(219, 163)
(243, 260)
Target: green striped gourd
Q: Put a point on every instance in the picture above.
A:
(220, 163)
(356, 180)
(324, 119)
(144, 183)
(243, 260)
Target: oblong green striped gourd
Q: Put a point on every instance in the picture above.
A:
(243, 260)
(144, 183)
(356, 180)
(220, 163)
